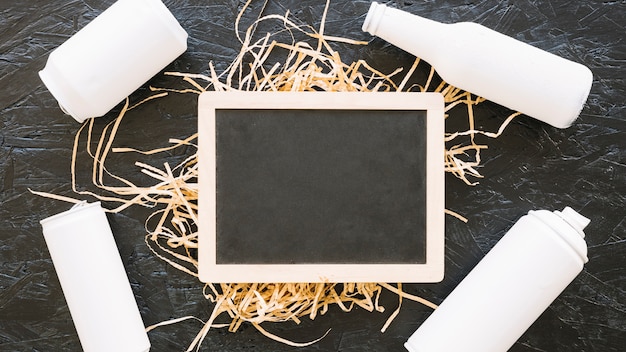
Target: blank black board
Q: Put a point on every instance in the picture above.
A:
(320, 186)
(317, 189)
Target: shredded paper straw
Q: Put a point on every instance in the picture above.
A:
(306, 65)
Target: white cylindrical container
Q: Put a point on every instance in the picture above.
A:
(112, 56)
(509, 288)
(490, 64)
(94, 281)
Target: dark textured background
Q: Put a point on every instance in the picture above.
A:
(531, 166)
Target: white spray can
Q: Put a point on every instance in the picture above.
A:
(509, 288)
(490, 64)
(112, 56)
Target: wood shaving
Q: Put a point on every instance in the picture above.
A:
(310, 65)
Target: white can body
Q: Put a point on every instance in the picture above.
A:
(490, 64)
(112, 56)
(510, 288)
(94, 281)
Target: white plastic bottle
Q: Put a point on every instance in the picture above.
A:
(112, 56)
(509, 288)
(94, 281)
(490, 64)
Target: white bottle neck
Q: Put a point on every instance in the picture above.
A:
(417, 35)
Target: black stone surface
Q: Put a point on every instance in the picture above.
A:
(531, 166)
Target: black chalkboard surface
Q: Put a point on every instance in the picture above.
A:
(308, 187)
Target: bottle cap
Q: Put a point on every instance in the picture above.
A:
(574, 219)
(373, 17)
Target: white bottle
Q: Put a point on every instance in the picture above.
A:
(490, 64)
(94, 281)
(509, 288)
(112, 56)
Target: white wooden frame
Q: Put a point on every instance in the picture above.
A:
(431, 271)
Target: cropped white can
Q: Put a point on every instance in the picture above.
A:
(112, 56)
(509, 288)
(94, 281)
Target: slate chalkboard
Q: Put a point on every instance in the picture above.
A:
(324, 184)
